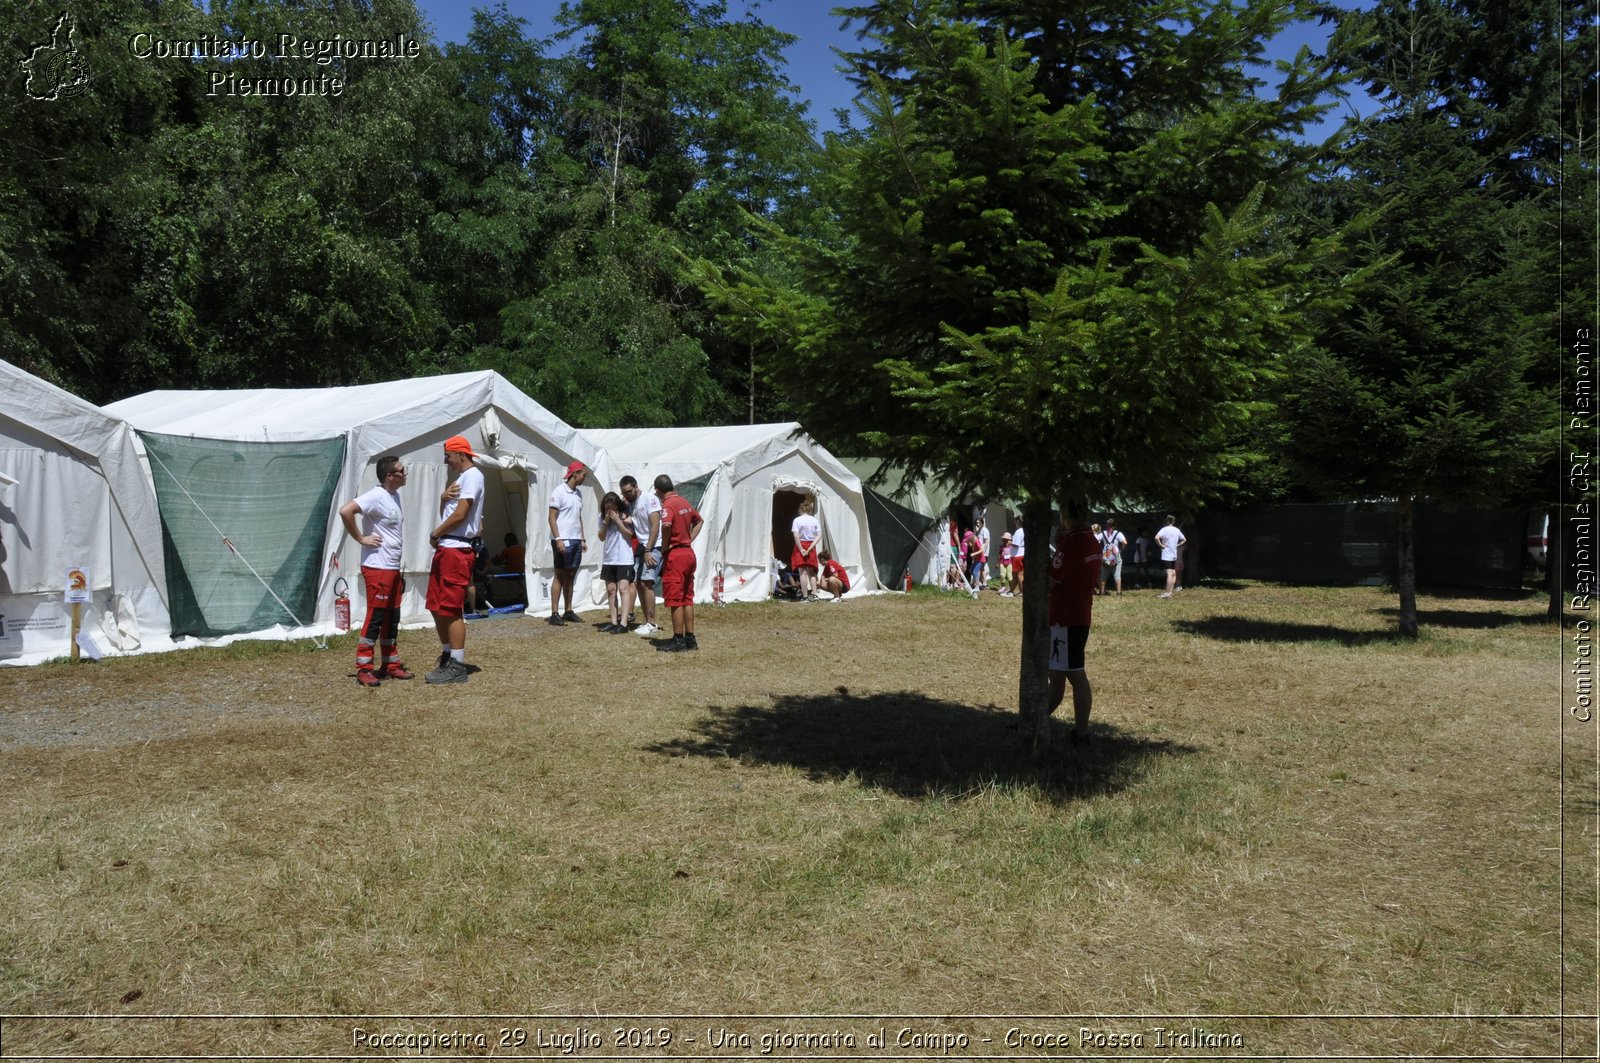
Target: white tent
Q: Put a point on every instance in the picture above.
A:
(750, 480)
(328, 440)
(72, 496)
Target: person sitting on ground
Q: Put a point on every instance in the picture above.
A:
(513, 559)
(787, 586)
(834, 579)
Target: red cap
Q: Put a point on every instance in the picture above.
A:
(575, 467)
(459, 445)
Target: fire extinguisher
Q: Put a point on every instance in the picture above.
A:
(908, 579)
(716, 587)
(341, 604)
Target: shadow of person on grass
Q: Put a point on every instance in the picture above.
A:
(916, 746)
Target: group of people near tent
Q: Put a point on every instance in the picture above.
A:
(642, 536)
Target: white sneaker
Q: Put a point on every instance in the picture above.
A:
(835, 601)
(646, 630)
(1163, 594)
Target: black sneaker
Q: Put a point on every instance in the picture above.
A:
(552, 619)
(690, 643)
(572, 618)
(452, 671)
(619, 629)
(673, 645)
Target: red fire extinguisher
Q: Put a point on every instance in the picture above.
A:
(908, 580)
(716, 587)
(341, 604)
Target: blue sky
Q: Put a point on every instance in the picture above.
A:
(811, 58)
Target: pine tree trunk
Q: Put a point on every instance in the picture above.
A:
(1033, 688)
(1407, 546)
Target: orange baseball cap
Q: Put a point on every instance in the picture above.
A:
(459, 445)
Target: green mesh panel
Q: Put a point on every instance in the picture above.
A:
(896, 530)
(694, 490)
(270, 500)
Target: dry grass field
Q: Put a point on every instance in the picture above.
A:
(1286, 812)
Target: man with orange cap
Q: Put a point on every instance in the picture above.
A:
(460, 522)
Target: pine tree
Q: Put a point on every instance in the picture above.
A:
(1060, 273)
(1429, 386)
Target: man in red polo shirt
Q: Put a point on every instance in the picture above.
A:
(1074, 574)
(680, 523)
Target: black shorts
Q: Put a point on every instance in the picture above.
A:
(616, 573)
(1170, 564)
(1066, 648)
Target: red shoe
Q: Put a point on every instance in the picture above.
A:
(396, 670)
(366, 677)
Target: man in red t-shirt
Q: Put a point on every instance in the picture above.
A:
(1074, 574)
(680, 523)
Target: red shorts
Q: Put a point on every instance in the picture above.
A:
(1016, 564)
(448, 579)
(803, 557)
(677, 578)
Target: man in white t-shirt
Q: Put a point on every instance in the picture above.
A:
(566, 541)
(1171, 540)
(646, 509)
(1112, 543)
(460, 522)
(381, 534)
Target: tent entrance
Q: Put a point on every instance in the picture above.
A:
(785, 508)
(505, 511)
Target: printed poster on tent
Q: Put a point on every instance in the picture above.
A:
(79, 587)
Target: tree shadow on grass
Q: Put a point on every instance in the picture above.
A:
(915, 746)
(1247, 629)
(1468, 618)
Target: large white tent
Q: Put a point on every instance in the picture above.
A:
(73, 497)
(278, 463)
(750, 480)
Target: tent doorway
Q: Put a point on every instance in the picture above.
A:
(785, 508)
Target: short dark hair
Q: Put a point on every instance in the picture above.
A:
(511, 538)
(1171, 519)
(663, 483)
(627, 481)
(386, 466)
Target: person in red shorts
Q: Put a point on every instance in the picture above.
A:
(1074, 575)
(680, 523)
(834, 579)
(460, 521)
(381, 534)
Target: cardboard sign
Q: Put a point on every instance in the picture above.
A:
(79, 587)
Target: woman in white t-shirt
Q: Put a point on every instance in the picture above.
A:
(807, 532)
(616, 557)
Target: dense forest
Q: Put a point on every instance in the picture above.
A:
(1078, 246)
